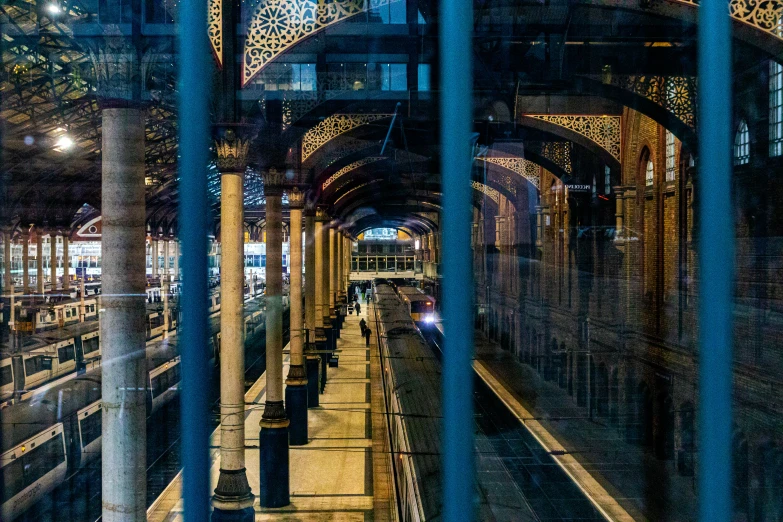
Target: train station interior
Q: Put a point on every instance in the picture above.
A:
(391, 260)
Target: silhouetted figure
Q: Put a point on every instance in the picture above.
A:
(363, 325)
(358, 308)
(367, 333)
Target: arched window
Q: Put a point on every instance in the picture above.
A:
(742, 145)
(649, 174)
(670, 156)
(607, 180)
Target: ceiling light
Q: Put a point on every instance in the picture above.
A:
(53, 9)
(63, 143)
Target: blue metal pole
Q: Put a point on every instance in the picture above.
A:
(194, 56)
(456, 113)
(716, 254)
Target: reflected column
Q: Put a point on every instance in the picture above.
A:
(320, 282)
(273, 439)
(296, 382)
(312, 359)
(154, 255)
(53, 258)
(39, 258)
(7, 285)
(67, 263)
(233, 491)
(124, 381)
(25, 262)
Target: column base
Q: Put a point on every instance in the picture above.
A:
(242, 515)
(296, 411)
(313, 376)
(274, 488)
(233, 491)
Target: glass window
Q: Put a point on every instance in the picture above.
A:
(649, 175)
(607, 179)
(65, 354)
(775, 109)
(394, 77)
(6, 377)
(670, 156)
(91, 427)
(742, 144)
(424, 76)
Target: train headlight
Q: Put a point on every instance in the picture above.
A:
(429, 319)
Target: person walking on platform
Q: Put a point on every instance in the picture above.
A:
(367, 334)
(363, 325)
(358, 308)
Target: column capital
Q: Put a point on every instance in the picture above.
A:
(274, 182)
(322, 214)
(232, 146)
(309, 209)
(296, 198)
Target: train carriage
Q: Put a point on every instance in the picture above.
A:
(421, 306)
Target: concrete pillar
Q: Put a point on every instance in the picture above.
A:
(39, 257)
(296, 382)
(53, 258)
(274, 488)
(124, 382)
(25, 263)
(233, 491)
(164, 289)
(312, 361)
(67, 263)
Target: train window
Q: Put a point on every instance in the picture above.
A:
(6, 377)
(90, 345)
(13, 479)
(33, 365)
(43, 459)
(65, 354)
(91, 427)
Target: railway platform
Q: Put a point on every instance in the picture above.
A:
(342, 473)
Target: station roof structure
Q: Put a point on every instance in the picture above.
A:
(347, 104)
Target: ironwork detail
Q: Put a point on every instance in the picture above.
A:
(764, 15)
(232, 154)
(296, 199)
(602, 130)
(278, 25)
(332, 127)
(527, 169)
(559, 153)
(274, 180)
(215, 29)
(348, 168)
(676, 94)
(491, 193)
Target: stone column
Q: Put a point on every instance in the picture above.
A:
(333, 233)
(273, 440)
(340, 264)
(166, 270)
(67, 263)
(312, 361)
(154, 256)
(233, 491)
(39, 258)
(124, 382)
(164, 290)
(296, 382)
(53, 258)
(321, 296)
(25, 262)
(328, 299)
(176, 260)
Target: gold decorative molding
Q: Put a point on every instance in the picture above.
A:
(215, 29)
(527, 169)
(232, 154)
(491, 193)
(348, 168)
(322, 214)
(357, 187)
(332, 127)
(764, 15)
(604, 131)
(274, 182)
(559, 153)
(278, 25)
(296, 198)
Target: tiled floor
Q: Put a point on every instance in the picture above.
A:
(332, 476)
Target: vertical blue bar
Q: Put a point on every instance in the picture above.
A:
(194, 56)
(456, 114)
(716, 254)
